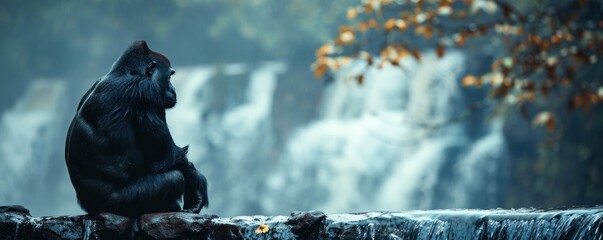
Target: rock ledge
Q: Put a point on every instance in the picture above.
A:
(569, 223)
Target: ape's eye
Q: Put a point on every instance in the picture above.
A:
(151, 68)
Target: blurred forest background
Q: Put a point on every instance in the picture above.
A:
(542, 165)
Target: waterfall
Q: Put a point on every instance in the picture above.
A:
(31, 147)
(393, 143)
(224, 112)
(389, 144)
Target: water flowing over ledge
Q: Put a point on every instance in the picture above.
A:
(568, 223)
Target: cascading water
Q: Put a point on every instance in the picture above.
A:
(389, 144)
(224, 113)
(31, 136)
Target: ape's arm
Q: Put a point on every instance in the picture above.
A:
(195, 193)
(161, 187)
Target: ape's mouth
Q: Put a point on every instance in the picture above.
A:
(170, 96)
(171, 88)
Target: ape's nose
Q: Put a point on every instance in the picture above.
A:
(172, 71)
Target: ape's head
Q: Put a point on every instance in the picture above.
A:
(142, 64)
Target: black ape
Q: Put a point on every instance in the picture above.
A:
(119, 151)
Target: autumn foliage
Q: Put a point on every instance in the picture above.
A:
(547, 49)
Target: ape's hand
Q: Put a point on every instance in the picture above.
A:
(195, 193)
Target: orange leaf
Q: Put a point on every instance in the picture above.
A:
(325, 50)
(352, 13)
(460, 38)
(585, 100)
(389, 24)
(346, 28)
(363, 26)
(263, 228)
(528, 96)
(416, 54)
(368, 7)
(443, 3)
(402, 54)
(471, 80)
(426, 31)
(373, 23)
(440, 50)
(544, 119)
(320, 70)
(534, 39)
(401, 24)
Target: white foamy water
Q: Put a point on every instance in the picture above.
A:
(228, 145)
(375, 146)
(29, 138)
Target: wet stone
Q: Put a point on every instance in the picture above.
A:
(306, 224)
(567, 223)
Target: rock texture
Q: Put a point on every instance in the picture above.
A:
(570, 223)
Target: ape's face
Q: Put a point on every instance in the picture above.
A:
(160, 72)
(142, 64)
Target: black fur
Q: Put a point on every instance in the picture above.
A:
(119, 151)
